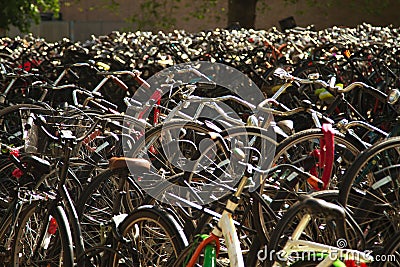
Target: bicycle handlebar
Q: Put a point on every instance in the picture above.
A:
(189, 69)
(282, 74)
(78, 64)
(288, 112)
(134, 74)
(221, 98)
(45, 129)
(19, 75)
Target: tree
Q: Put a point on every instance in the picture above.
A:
(160, 13)
(242, 12)
(22, 13)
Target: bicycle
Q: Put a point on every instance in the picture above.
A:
(371, 192)
(27, 197)
(56, 210)
(313, 232)
(226, 227)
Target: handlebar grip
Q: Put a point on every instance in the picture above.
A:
(80, 64)
(206, 85)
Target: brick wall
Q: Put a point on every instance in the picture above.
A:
(86, 17)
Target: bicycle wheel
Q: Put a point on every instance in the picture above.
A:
(7, 230)
(156, 238)
(8, 183)
(208, 180)
(371, 191)
(280, 191)
(318, 230)
(258, 146)
(97, 206)
(175, 148)
(302, 144)
(43, 238)
(391, 253)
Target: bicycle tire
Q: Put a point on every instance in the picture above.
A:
(289, 150)
(96, 205)
(60, 246)
(392, 250)
(8, 183)
(105, 183)
(370, 190)
(5, 231)
(195, 221)
(175, 239)
(288, 222)
(169, 155)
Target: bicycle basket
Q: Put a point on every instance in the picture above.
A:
(39, 142)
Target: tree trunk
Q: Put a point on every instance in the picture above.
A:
(242, 12)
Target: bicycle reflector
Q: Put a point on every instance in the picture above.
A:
(52, 228)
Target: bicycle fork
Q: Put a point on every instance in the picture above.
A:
(225, 228)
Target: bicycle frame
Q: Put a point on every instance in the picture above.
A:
(13, 212)
(295, 245)
(63, 197)
(225, 228)
(208, 102)
(27, 197)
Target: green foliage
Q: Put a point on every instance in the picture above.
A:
(22, 13)
(112, 5)
(162, 14)
(203, 9)
(155, 14)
